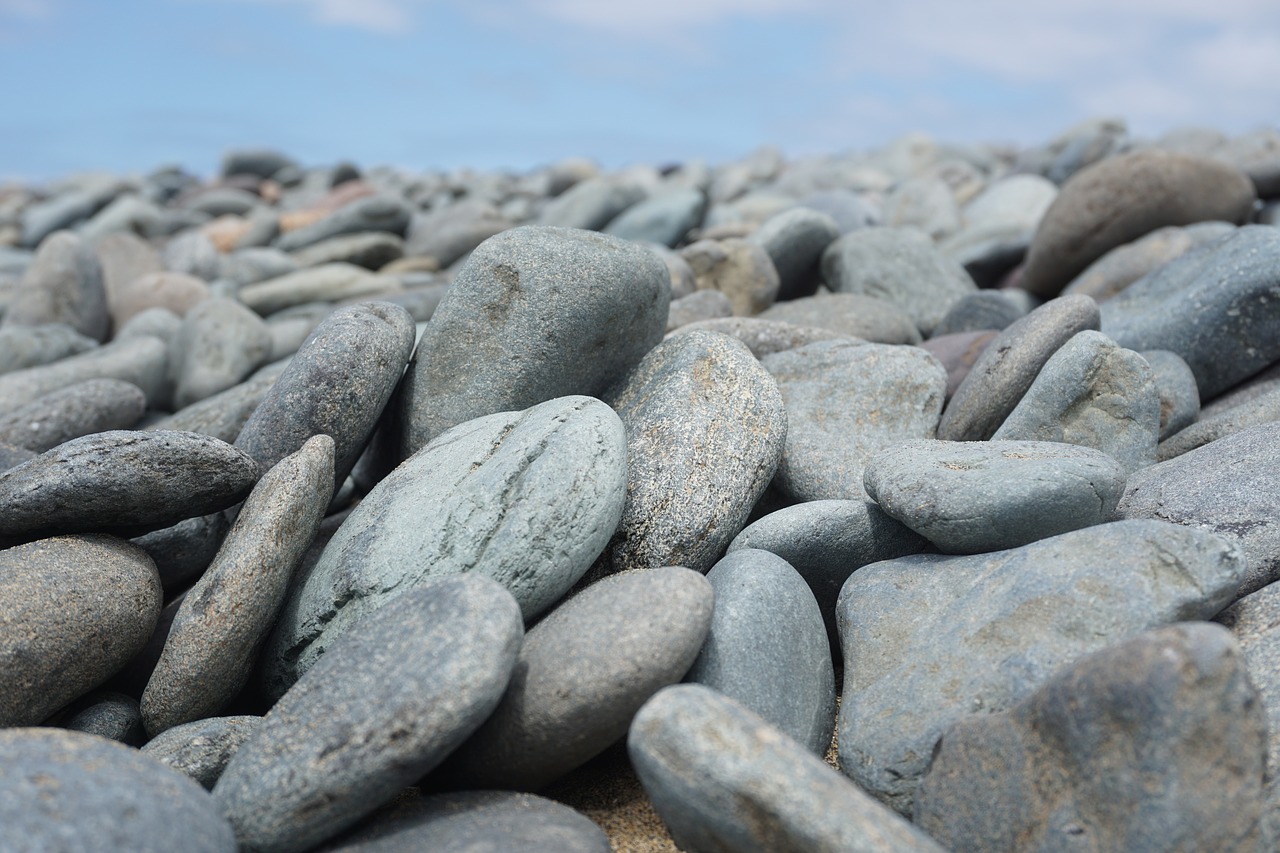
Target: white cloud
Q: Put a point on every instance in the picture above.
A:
(389, 17)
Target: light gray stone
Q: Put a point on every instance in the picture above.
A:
(851, 315)
(33, 346)
(220, 343)
(381, 212)
(78, 410)
(141, 361)
(664, 218)
(325, 283)
(62, 285)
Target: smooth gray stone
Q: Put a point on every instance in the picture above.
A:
(768, 649)
(663, 218)
(326, 283)
(184, 550)
(1092, 393)
(263, 162)
(220, 201)
(193, 253)
(371, 250)
(535, 313)
(382, 212)
(986, 309)
(399, 692)
(826, 541)
(421, 296)
(174, 291)
(122, 479)
(1154, 744)
(1259, 410)
(705, 428)
(931, 639)
(109, 715)
(1008, 366)
(220, 343)
(33, 346)
(527, 498)
(1214, 307)
(900, 266)
(68, 791)
(844, 402)
(202, 749)
(1252, 388)
(337, 385)
(62, 285)
(66, 209)
(159, 323)
(722, 778)
(582, 674)
(449, 233)
(590, 204)
(740, 270)
(142, 361)
(850, 210)
(57, 646)
(698, 306)
(1230, 486)
(925, 203)
(224, 414)
(683, 281)
(291, 327)
(852, 315)
(1123, 265)
(998, 225)
(795, 240)
(476, 822)
(252, 265)
(224, 619)
(1179, 396)
(12, 457)
(78, 410)
(1257, 154)
(972, 497)
(763, 337)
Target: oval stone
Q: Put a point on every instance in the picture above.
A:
(78, 410)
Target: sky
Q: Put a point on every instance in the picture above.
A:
(130, 85)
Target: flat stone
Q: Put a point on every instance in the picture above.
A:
(1153, 744)
(62, 285)
(900, 266)
(33, 346)
(371, 250)
(337, 385)
(1229, 486)
(767, 648)
(223, 415)
(1092, 393)
(527, 498)
(974, 497)
(224, 619)
(980, 311)
(106, 714)
(221, 343)
(202, 749)
(958, 354)
(705, 428)
(535, 313)
(590, 204)
(1215, 308)
(1122, 198)
(325, 283)
(63, 790)
(67, 208)
(852, 315)
(741, 270)
(795, 240)
(931, 639)
(763, 337)
(1259, 410)
(257, 264)
(1125, 264)
(722, 778)
(450, 232)
(1009, 364)
(582, 674)
(375, 714)
(381, 212)
(77, 410)
(1179, 396)
(664, 218)
(844, 402)
(76, 609)
(122, 479)
(184, 550)
(141, 361)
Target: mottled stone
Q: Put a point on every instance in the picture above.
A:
(535, 313)
(1125, 264)
(62, 285)
(852, 315)
(1179, 396)
(70, 791)
(663, 218)
(221, 342)
(741, 270)
(141, 361)
(202, 749)
(844, 401)
(71, 412)
(75, 609)
(722, 778)
(763, 337)
(400, 691)
(32, 346)
(1154, 744)
(997, 626)
(795, 240)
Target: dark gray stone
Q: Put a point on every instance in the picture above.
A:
(57, 646)
(263, 162)
(705, 428)
(476, 822)
(109, 715)
(220, 343)
(452, 231)
(1009, 364)
(986, 309)
(325, 283)
(1155, 744)
(534, 314)
(763, 337)
(33, 346)
(697, 306)
(224, 619)
(337, 385)
(69, 207)
(74, 792)
(527, 498)
(930, 640)
(184, 550)
(582, 674)
(590, 204)
(140, 360)
(722, 778)
(122, 479)
(900, 266)
(740, 270)
(371, 250)
(202, 749)
(1215, 307)
(973, 497)
(795, 240)
(1230, 486)
(1179, 396)
(663, 218)
(768, 649)
(78, 410)
(220, 201)
(844, 402)
(62, 285)
(1262, 409)
(382, 212)
(399, 692)
(852, 315)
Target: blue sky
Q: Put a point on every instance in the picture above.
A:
(127, 85)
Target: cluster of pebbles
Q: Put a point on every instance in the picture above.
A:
(358, 510)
